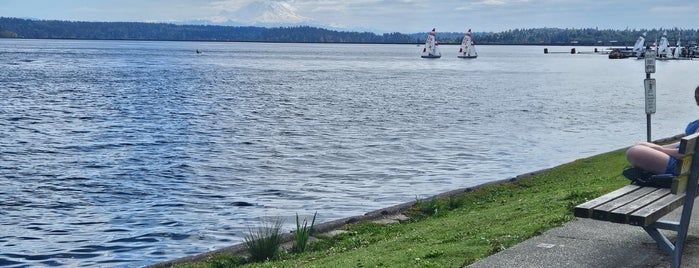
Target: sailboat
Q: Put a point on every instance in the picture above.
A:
(468, 48)
(640, 47)
(664, 47)
(431, 49)
(678, 50)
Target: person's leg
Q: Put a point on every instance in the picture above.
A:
(647, 158)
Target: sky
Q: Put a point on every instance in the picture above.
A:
(405, 16)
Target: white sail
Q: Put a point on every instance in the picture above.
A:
(468, 47)
(431, 49)
(639, 47)
(465, 43)
(436, 51)
(678, 49)
(663, 46)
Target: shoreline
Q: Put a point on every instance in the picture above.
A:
(290, 42)
(388, 213)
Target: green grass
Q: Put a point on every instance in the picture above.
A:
(302, 234)
(263, 243)
(462, 229)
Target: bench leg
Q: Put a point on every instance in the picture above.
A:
(686, 213)
(662, 241)
(682, 232)
(667, 225)
(682, 228)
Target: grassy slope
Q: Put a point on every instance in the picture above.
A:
(484, 221)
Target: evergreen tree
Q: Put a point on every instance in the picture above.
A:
(53, 29)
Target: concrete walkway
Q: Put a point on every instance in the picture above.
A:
(592, 243)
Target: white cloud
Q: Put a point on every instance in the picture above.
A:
(230, 5)
(381, 15)
(489, 3)
(672, 9)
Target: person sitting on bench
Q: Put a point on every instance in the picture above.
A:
(658, 159)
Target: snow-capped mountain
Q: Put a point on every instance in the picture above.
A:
(265, 13)
(261, 13)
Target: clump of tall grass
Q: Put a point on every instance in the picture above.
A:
(427, 208)
(454, 202)
(302, 234)
(263, 243)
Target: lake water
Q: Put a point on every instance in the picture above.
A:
(119, 153)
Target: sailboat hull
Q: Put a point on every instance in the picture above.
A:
(467, 57)
(431, 56)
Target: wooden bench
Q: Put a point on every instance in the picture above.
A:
(644, 206)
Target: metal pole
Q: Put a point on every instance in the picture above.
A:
(648, 126)
(648, 114)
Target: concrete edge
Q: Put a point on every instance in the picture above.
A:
(326, 227)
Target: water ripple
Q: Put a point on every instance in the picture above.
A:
(122, 154)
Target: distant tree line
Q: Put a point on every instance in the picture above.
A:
(6, 33)
(54, 29)
(587, 36)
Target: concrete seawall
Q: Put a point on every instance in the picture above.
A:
(383, 214)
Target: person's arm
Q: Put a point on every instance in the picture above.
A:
(669, 149)
(674, 152)
(672, 145)
(672, 149)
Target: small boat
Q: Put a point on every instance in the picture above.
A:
(640, 47)
(431, 49)
(618, 54)
(666, 52)
(664, 47)
(678, 49)
(468, 47)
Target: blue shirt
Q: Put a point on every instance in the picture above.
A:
(691, 127)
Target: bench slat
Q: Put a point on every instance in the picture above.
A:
(584, 210)
(620, 215)
(602, 212)
(652, 212)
